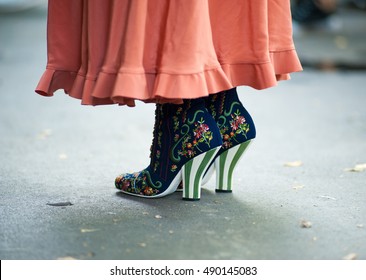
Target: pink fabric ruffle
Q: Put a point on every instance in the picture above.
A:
(164, 53)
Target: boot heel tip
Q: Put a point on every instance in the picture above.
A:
(223, 191)
(191, 199)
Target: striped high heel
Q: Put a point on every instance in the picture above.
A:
(192, 174)
(237, 129)
(186, 139)
(225, 165)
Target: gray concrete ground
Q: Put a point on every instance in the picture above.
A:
(54, 150)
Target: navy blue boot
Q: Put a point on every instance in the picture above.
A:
(185, 141)
(237, 130)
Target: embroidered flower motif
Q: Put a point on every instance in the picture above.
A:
(238, 127)
(201, 134)
(236, 122)
(200, 130)
(125, 185)
(148, 191)
(137, 183)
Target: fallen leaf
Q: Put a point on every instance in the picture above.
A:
(90, 254)
(341, 42)
(357, 168)
(293, 163)
(327, 197)
(62, 156)
(66, 258)
(351, 256)
(298, 187)
(67, 203)
(86, 230)
(44, 134)
(171, 231)
(305, 224)
(143, 245)
(158, 217)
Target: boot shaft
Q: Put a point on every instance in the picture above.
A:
(181, 132)
(233, 120)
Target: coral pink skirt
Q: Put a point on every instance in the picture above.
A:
(105, 51)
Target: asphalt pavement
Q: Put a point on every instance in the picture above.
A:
(299, 192)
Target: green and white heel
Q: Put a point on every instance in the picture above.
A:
(225, 165)
(192, 173)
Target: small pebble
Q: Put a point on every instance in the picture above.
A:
(45, 133)
(305, 224)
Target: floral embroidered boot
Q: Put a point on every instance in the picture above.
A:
(237, 130)
(185, 141)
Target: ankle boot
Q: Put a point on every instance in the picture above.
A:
(237, 130)
(185, 141)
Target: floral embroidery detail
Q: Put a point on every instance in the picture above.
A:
(156, 165)
(138, 183)
(201, 134)
(232, 123)
(190, 141)
(238, 126)
(237, 121)
(173, 168)
(176, 123)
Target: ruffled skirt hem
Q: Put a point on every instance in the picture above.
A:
(124, 88)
